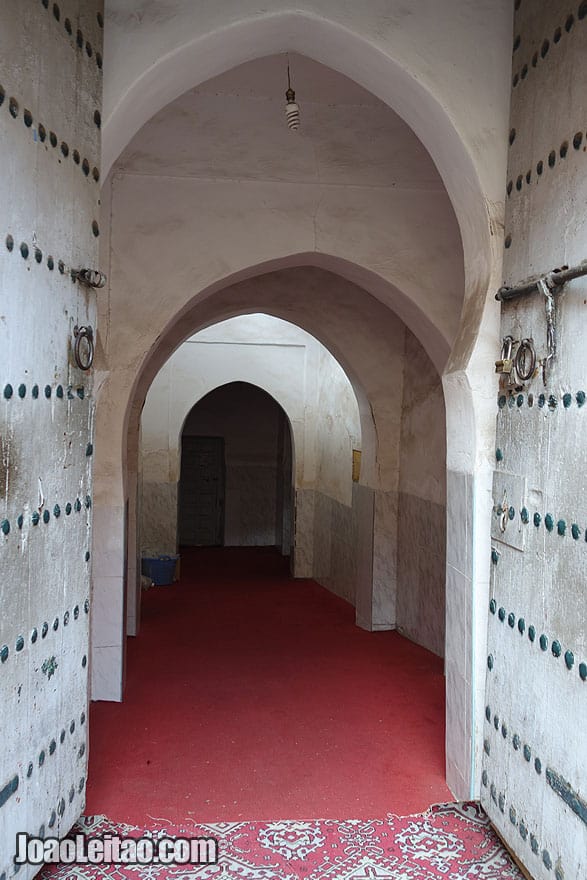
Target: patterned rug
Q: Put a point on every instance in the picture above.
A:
(448, 842)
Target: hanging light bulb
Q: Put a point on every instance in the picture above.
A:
(292, 110)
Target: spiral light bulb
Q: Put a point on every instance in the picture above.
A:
(292, 110)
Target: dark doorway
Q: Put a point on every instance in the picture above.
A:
(201, 495)
(236, 482)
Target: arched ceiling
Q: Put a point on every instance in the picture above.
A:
(444, 70)
(215, 187)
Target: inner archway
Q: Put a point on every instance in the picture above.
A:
(348, 538)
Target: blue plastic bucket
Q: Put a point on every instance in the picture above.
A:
(160, 569)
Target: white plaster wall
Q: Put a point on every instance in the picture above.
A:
(422, 503)
(338, 429)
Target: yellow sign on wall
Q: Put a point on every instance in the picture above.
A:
(356, 465)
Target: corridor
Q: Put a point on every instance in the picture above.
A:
(252, 695)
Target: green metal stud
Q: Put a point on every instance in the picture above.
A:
(523, 831)
(549, 522)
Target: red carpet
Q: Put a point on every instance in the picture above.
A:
(253, 696)
(450, 842)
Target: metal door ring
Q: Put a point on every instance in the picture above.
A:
(525, 360)
(81, 333)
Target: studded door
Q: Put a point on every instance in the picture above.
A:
(50, 101)
(534, 778)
